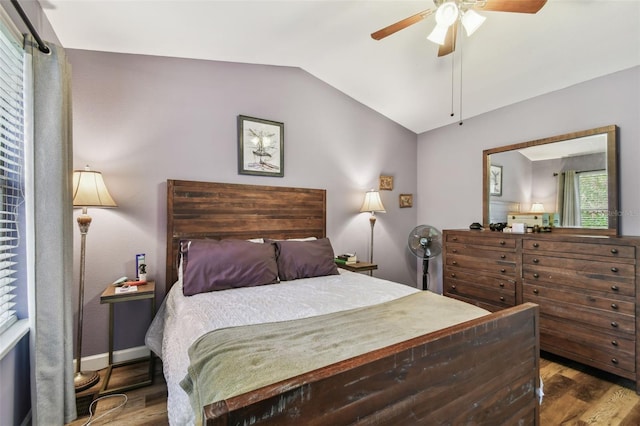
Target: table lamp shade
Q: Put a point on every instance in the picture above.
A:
(372, 202)
(89, 190)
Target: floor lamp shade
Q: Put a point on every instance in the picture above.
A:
(372, 203)
(89, 190)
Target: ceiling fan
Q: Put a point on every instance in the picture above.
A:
(450, 12)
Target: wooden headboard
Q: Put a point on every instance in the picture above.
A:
(224, 211)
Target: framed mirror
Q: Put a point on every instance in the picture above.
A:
(571, 180)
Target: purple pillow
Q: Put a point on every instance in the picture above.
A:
(210, 265)
(305, 259)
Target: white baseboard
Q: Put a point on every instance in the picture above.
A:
(100, 361)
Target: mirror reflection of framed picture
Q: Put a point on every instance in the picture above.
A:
(495, 180)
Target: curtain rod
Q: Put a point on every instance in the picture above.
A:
(583, 171)
(41, 46)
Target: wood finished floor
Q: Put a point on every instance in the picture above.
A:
(575, 395)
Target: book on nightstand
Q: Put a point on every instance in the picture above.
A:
(347, 258)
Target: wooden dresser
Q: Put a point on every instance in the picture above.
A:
(586, 287)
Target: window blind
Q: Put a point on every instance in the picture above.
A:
(11, 168)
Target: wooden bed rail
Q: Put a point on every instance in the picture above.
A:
(483, 371)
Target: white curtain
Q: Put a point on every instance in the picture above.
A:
(568, 198)
(52, 389)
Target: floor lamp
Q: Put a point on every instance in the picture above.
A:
(372, 204)
(89, 190)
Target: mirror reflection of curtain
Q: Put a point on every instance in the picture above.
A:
(568, 201)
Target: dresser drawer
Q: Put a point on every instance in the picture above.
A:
(594, 249)
(601, 350)
(489, 240)
(496, 283)
(604, 269)
(604, 321)
(473, 251)
(587, 299)
(499, 297)
(478, 264)
(579, 279)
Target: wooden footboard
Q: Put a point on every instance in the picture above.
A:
(484, 371)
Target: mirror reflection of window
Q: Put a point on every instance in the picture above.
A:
(594, 199)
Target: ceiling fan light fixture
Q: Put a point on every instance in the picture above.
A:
(438, 34)
(471, 21)
(447, 14)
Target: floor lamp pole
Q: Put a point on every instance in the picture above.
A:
(82, 379)
(372, 221)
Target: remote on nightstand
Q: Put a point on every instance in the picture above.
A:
(119, 282)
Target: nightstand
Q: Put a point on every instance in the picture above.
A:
(359, 267)
(109, 295)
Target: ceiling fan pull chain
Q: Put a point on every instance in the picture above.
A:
(452, 81)
(461, 48)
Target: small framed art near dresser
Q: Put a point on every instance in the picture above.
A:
(586, 287)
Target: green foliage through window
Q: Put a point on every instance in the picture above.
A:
(594, 199)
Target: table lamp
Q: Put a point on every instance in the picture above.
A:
(372, 204)
(89, 190)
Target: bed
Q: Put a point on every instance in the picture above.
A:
(473, 367)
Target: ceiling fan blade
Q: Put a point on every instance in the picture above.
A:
(450, 41)
(516, 6)
(401, 25)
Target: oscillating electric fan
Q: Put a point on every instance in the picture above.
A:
(425, 242)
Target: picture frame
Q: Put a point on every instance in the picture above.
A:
(495, 180)
(406, 200)
(386, 183)
(260, 147)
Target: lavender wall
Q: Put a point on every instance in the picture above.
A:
(141, 120)
(455, 179)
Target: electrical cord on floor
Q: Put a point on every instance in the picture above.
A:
(91, 419)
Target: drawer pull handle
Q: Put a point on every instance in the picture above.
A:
(536, 245)
(614, 360)
(536, 260)
(501, 285)
(614, 342)
(455, 250)
(614, 269)
(453, 275)
(454, 262)
(502, 242)
(614, 251)
(502, 256)
(614, 287)
(453, 287)
(536, 275)
(502, 298)
(502, 270)
(455, 238)
(535, 291)
(614, 306)
(614, 324)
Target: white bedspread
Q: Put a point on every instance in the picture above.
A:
(181, 320)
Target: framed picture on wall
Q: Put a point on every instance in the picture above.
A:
(406, 200)
(260, 147)
(495, 180)
(386, 183)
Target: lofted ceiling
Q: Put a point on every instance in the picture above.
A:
(512, 57)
